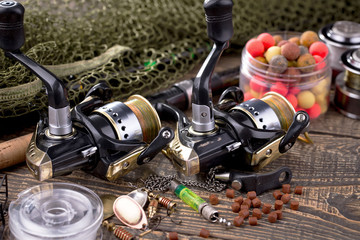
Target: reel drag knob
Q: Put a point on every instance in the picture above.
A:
(12, 35)
(218, 14)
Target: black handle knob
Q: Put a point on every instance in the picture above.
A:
(12, 35)
(218, 14)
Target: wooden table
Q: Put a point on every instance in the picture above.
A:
(329, 170)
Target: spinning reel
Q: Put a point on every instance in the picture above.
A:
(233, 134)
(106, 139)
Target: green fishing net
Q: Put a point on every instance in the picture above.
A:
(137, 46)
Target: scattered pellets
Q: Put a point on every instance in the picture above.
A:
(173, 236)
(272, 217)
(266, 208)
(245, 213)
(214, 199)
(238, 221)
(286, 188)
(279, 214)
(294, 205)
(286, 198)
(230, 193)
(257, 213)
(298, 190)
(235, 207)
(204, 233)
(244, 206)
(256, 202)
(278, 205)
(239, 199)
(277, 194)
(251, 195)
(247, 202)
(253, 221)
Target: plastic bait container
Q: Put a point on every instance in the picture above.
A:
(306, 88)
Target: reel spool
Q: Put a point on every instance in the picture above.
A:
(347, 91)
(134, 119)
(271, 112)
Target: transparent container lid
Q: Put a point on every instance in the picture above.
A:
(56, 211)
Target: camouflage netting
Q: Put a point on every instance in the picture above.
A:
(137, 46)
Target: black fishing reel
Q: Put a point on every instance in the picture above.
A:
(108, 139)
(233, 133)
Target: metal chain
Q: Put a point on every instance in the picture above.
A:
(160, 183)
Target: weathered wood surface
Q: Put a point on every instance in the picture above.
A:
(329, 170)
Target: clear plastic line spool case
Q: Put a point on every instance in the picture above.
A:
(56, 211)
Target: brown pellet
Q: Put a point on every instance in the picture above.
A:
(214, 199)
(173, 236)
(266, 208)
(204, 233)
(253, 221)
(298, 190)
(286, 198)
(279, 214)
(278, 205)
(251, 195)
(272, 217)
(277, 194)
(239, 199)
(245, 213)
(235, 207)
(256, 202)
(238, 221)
(286, 188)
(294, 205)
(247, 202)
(244, 207)
(257, 213)
(230, 193)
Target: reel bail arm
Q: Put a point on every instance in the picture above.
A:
(218, 14)
(12, 37)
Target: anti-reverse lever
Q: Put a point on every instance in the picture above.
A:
(255, 181)
(218, 14)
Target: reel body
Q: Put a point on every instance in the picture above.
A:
(247, 136)
(233, 134)
(106, 139)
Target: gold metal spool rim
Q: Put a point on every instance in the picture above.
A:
(150, 126)
(281, 110)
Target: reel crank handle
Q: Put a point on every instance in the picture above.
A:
(256, 182)
(301, 121)
(165, 136)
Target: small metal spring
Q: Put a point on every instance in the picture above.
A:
(123, 234)
(167, 203)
